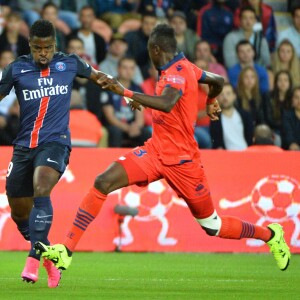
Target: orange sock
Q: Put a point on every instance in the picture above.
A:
(234, 228)
(87, 212)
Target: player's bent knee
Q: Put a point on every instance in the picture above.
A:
(211, 225)
(102, 184)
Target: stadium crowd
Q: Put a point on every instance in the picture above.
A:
(236, 39)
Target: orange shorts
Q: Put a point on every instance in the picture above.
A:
(187, 180)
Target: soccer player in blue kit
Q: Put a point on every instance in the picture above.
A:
(43, 83)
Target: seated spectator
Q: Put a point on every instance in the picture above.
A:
(214, 29)
(11, 39)
(185, 37)
(86, 130)
(280, 100)
(50, 12)
(138, 41)
(246, 32)
(245, 54)
(291, 123)
(6, 57)
(285, 58)
(125, 127)
(117, 49)
(292, 33)
(115, 12)
(203, 52)
(249, 97)
(162, 9)
(94, 44)
(264, 140)
(264, 16)
(234, 130)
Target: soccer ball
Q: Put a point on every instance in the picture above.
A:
(276, 197)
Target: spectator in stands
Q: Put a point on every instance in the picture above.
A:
(246, 32)
(86, 129)
(186, 38)
(285, 58)
(234, 130)
(263, 140)
(215, 21)
(94, 44)
(280, 100)
(138, 40)
(115, 12)
(161, 8)
(292, 33)
(125, 127)
(11, 39)
(50, 12)
(264, 16)
(117, 49)
(249, 96)
(291, 123)
(245, 54)
(6, 57)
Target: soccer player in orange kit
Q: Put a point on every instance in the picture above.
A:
(172, 153)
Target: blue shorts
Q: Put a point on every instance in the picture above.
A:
(19, 178)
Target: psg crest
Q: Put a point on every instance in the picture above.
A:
(60, 66)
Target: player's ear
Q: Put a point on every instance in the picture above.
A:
(156, 49)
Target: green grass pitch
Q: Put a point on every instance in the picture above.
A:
(156, 276)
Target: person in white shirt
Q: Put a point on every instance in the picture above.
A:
(234, 130)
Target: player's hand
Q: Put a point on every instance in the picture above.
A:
(213, 110)
(134, 105)
(110, 83)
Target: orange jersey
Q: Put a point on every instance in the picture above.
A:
(173, 132)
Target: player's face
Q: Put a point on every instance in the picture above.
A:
(152, 50)
(285, 52)
(42, 50)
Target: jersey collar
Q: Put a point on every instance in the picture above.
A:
(175, 59)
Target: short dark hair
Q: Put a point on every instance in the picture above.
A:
(49, 4)
(149, 14)
(242, 43)
(247, 8)
(125, 58)
(87, 7)
(163, 35)
(42, 28)
(294, 8)
(74, 38)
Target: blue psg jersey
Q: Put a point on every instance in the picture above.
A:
(44, 96)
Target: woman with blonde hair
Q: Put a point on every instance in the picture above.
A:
(249, 96)
(285, 58)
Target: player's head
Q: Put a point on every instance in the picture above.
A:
(161, 41)
(42, 42)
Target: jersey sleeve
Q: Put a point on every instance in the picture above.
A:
(200, 74)
(6, 81)
(175, 80)
(83, 68)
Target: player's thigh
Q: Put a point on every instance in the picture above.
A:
(19, 178)
(20, 207)
(189, 182)
(141, 166)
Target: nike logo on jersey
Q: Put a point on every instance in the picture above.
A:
(24, 71)
(39, 217)
(50, 160)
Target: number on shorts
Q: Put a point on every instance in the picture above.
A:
(9, 169)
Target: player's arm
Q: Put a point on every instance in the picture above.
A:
(165, 102)
(215, 84)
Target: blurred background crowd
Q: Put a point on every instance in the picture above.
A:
(253, 44)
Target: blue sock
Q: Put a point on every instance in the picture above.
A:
(40, 221)
(23, 227)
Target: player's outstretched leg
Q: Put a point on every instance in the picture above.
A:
(278, 247)
(228, 227)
